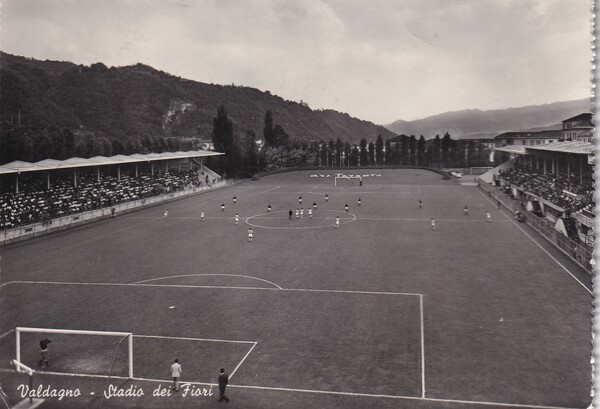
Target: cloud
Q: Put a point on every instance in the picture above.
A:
(378, 60)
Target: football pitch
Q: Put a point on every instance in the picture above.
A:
(382, 312)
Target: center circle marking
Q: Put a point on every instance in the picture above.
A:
(253, 224)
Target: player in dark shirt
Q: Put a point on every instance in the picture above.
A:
(44, 351)
(223, 381)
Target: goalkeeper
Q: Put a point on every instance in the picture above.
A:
(44, 351)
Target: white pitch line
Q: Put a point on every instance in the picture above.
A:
(540, 246)
(305, 218)
(208, 274)
(7, 333)
(270, 190)
(194, 339)
(137, 285)
(242, 361)
(272, 388)
(426, 220)
(372, 395)
(422, 347)
(348, 291)
(209, 286)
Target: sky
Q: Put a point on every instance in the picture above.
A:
(378, 60)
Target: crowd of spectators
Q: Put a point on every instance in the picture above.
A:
(561, 191)
(35, 203)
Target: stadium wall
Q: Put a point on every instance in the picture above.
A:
(575, 251)
(91, 216)
(445, 175)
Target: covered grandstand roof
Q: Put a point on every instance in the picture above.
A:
(516, 149)
(19, 166)
(582, 148)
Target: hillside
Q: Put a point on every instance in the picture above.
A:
(474, 123)
(139, 100)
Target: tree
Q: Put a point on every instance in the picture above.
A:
(412, 155)
(249, 154)
(388, 152)
(354, 156)
(371, 153)
(446, 145)
(280, 137)
(379, 150)
(69, 143)
(222, 133)
(222, 136)
(339, 147)
(421, 158)
(403, 156)
(323, 153)
(43, 146)
(347, 152)
(314, 152)
(331, 152)
(397, 154)
(435, 155)
(268, 131)
(364, 158)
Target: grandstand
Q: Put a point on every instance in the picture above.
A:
(553, 184)
(38, 193)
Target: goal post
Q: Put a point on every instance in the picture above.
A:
(128, 335)
(345, 180)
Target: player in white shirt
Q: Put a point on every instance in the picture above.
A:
(466, 211)
(234, 200)
(359, 202)
(176, 373)
(300, 200)
(309, 213)
(201, 216)
(297, 213)
(326, 197)
(346, 207)
(237, 219)
(432, 223)
(315, 205)
(488, 216)
(337, 222)
(250, 234)
(302, 212)
(166, 214)
(269, 209)
(222, 206)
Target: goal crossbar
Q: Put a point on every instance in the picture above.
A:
(351, 178)
(129, 336)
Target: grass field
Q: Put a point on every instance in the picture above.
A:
(382, 312)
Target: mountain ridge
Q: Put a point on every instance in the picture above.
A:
(140, 100)
(476, 123)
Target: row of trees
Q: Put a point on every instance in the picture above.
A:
(244, 156)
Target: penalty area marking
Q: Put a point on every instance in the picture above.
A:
(311, 290)
(259, 216)
(214, 274)
(7, 333)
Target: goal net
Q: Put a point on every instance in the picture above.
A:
(347, 180)
(80, 352)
